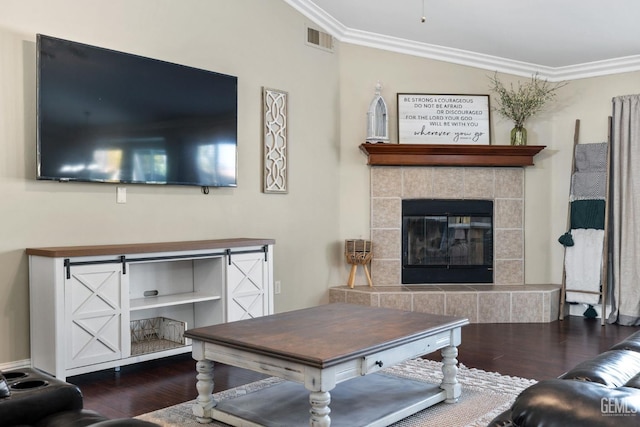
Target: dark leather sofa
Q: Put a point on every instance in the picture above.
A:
(599, 392)
(31, 398)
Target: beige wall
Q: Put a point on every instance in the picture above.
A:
(259, 41)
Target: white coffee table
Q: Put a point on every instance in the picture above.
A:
(315, 350)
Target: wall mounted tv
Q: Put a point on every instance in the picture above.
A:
(107, 116)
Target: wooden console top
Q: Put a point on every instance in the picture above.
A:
(137, 248)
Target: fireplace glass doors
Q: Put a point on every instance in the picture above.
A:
(447, 241)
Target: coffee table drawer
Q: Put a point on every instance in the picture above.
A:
(392, 356)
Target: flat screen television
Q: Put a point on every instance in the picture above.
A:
(108, 116)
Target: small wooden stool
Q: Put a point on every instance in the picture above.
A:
(358, 252)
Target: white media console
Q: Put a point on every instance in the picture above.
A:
(99, 307)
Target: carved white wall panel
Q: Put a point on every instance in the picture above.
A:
(275, 140)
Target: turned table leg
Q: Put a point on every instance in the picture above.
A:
(204, 385)
(320, 409)
(450, 370)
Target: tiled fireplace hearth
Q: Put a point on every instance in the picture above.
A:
(507, 299)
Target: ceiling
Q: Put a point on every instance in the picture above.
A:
(559, 39)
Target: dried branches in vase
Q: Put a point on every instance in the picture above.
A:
(522, 102)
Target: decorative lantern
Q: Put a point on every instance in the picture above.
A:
(358, 252)
(377, 119)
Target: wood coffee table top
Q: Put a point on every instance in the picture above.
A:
(326, 335)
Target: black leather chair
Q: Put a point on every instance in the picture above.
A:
(600, 392)
(29, 397)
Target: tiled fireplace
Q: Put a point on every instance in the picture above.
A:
(391, 184)
(506, 299)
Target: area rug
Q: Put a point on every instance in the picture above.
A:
(484, 396)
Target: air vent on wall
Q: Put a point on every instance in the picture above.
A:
(319, 39)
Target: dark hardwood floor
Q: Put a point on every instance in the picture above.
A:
(539, 351)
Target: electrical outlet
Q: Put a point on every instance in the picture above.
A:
(277, 287)
(121, 195)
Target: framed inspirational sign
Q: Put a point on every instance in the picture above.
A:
(443, 119)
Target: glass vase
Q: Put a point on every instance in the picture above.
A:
(518, 135)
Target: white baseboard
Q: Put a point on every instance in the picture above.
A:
(26, 363)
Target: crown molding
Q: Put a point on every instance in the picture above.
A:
(459, 56)
(597, 68)
(319, 16)
(441, 53)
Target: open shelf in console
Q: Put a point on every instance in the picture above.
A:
(175, 281)
(169, 300)
(188, 290)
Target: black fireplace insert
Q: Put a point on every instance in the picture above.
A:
(447, 241)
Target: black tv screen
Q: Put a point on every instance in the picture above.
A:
(108, 116)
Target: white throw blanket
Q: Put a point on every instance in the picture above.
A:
(583, 264)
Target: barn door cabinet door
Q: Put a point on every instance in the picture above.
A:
(96, 314)
(248, 281)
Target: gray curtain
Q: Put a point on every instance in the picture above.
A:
(624, 225)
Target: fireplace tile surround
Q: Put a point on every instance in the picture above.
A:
(391, 184)
(507, 300)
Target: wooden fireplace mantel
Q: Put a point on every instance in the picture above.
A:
(450, 154)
